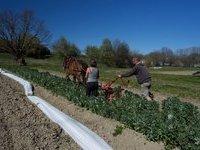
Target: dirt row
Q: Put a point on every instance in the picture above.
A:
(104, 127)
(23, 126)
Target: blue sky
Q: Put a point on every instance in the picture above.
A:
(145, 25)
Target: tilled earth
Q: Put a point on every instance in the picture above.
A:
(23, 126)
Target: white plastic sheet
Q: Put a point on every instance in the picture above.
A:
(82, 135)
(1, 71)
(27, 86)
(87, 139)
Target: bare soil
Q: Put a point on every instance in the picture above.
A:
(23, 126)
(104, 127)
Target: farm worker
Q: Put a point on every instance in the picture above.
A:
(92, 76)
(142, 75)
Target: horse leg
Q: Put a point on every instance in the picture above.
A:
(79, 80)
(78, 77)
(84, 80)
(74, 78)
(67, 76)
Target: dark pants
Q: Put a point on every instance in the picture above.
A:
(92, 89)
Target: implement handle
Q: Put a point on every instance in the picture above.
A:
(113, 81)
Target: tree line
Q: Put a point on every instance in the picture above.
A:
(118, 54)
(23, 34)
(112, 54)
(188, 57)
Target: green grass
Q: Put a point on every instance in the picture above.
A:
(6, 59)
(183, 86)
(52, 63)
(177, 85)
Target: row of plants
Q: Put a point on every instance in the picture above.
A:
(176, 124)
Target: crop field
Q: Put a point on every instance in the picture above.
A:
(173, 122)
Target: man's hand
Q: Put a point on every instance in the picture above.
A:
(119, 76)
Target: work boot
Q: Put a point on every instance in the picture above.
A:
(148, 98)
(151, 96)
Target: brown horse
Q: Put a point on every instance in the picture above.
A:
(75, 68)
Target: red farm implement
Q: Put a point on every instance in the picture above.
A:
(112, 92)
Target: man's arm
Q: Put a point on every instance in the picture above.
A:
(128, 73)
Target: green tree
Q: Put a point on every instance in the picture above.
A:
(73, 50)
(39, 51)
(107, 53)
(65, 48)
(92, 52)
(122, 53)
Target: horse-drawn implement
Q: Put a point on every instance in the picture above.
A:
(77, 70)
(112, 92)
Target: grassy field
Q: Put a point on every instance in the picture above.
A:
(178, 84)
(184, 86)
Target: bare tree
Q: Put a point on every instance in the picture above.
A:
(18, 33)
(189, 57)
(154, 58)
(167, 56)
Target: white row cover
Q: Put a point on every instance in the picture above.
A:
(87, 139)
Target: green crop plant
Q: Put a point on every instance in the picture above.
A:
(177, 124)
